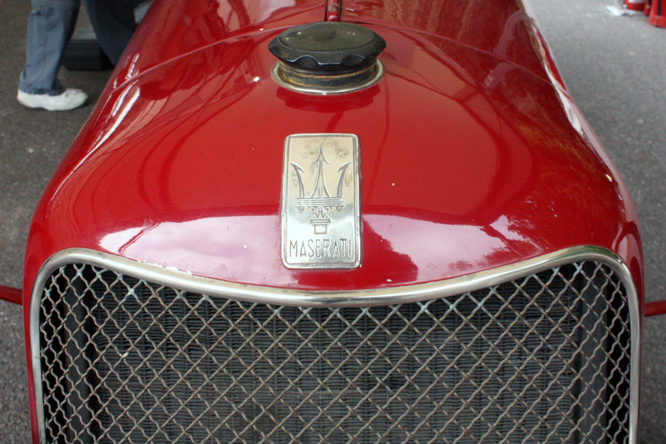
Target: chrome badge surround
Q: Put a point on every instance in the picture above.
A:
(321, 218)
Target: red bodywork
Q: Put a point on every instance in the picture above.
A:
(473, 155)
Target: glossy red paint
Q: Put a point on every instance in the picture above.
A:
(655, 308)
(13, 295)
(505, 29)
(464, 169)
(473, 155)
(174, 29)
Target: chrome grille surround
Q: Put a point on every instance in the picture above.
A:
(454, 294)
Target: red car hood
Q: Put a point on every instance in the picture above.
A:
(172, 29)
(469, 161)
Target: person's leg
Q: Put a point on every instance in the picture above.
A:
(113, 22)
(50, 27)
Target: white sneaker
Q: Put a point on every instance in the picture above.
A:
(70, 99)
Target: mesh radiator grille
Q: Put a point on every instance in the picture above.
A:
(540, 359)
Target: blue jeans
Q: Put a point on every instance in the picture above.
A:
(50, 26)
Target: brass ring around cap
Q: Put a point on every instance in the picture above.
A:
(312, 84)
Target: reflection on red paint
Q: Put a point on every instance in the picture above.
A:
(468, 162)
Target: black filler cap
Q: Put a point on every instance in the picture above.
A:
(327, 47)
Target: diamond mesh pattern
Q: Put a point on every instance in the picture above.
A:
(540, 359)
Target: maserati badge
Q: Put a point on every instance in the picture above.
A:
(321, 220)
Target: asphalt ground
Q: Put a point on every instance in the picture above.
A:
(615, 68)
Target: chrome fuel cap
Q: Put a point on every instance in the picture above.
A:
(327, 57)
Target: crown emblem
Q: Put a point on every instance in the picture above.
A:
(320, 201)
(321, 223)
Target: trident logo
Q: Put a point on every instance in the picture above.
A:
(320, 201)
